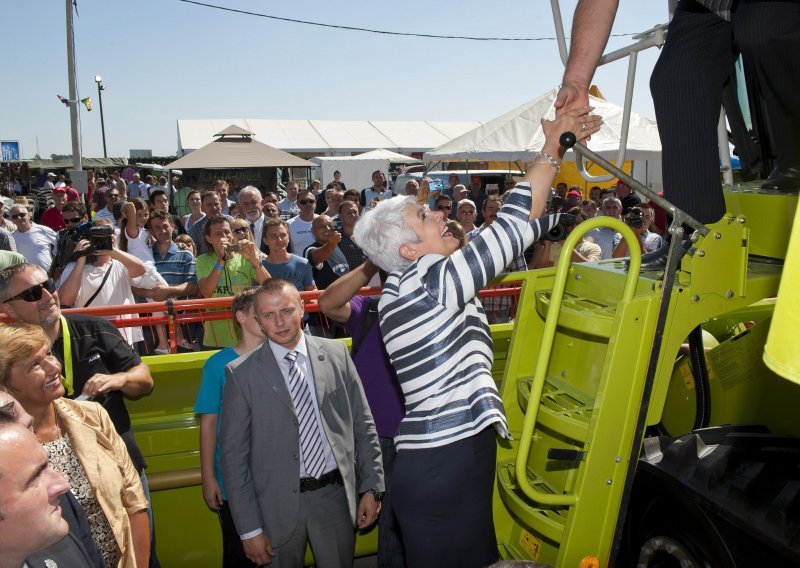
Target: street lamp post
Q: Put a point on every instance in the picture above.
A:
(100, 88)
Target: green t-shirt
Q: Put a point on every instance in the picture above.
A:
(179, 201)
(237, 275)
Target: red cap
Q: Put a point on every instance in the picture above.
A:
(574, 193)
(62, 189)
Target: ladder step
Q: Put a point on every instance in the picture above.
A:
(562, 409)
(546, 521)
(579, 314)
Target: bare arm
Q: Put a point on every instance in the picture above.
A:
(212, 493)
(131, 224)
(591, 26)
(323, 253)
(140, 530)
(133, 265)
(334, 301)
(541, 172)
(71, 287)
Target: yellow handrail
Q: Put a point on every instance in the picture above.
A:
(548, 335)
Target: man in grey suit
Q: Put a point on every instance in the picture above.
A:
(298, 444)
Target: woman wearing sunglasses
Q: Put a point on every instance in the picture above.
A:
(241, 234)
(81, 444)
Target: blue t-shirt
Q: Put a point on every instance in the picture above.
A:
(296, 270)
(209, 397)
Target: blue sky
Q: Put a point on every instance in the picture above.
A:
(163, 60)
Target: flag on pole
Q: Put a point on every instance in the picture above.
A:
(88, 102)
(63, 100)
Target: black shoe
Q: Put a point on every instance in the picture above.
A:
(785, 180)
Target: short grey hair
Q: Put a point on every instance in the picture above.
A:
(382, 230)
(250, 189)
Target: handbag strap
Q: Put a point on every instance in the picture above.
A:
(366, 324)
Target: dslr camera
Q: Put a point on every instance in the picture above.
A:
(634, 218)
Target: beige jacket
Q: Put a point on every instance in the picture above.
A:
(108, 468)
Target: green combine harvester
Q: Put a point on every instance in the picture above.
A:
(629, 449)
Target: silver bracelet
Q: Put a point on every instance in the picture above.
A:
(549, 160)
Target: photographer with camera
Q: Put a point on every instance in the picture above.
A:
(639, 218)
(548, 249)
(102, 275)
(227, 269)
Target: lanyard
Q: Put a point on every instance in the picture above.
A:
(68, 378)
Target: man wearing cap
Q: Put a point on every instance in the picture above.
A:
(465, 214)
(626, 196)
(49, 183)
(52, 217)
(459, 193)
(573, 199)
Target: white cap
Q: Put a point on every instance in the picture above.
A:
(466, 202)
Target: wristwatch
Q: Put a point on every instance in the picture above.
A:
(378, 495)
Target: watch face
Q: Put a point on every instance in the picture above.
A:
(377, 494)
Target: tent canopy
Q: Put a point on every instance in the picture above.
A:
(235, 148)
(90, 163)
(518, 136)
(329, 137)
(381, 154)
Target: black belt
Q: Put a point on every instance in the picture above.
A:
(312, 483)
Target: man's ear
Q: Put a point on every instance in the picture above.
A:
(409, 251)
(7, 310)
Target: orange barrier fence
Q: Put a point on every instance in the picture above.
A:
(174, 313)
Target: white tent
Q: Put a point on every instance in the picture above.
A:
(392, 157)
(517, 135)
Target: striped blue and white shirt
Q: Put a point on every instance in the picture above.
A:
(437, 337)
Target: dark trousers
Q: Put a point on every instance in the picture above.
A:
(443, 501)
(687, 83)
(232, 550)
(390, 545)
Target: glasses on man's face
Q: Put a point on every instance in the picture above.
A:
(72, 220)
(20, 215)
(444, 207)
(306, 202)
(112, 195)
(34, 293)
(240, 230)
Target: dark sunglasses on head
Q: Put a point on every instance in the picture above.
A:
(72, 221)
(306, 201)
(242, 230)
(19, 215)
(34, 293)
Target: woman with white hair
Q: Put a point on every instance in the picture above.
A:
(438, 340)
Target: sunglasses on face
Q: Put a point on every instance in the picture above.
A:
(112, 195)
(19, 215)
(72, 220)
(242, 230)
(34, 293)
(306, 201)
(444, 207)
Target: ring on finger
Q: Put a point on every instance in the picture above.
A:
(583, 126)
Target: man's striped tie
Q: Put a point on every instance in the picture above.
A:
(310, 436)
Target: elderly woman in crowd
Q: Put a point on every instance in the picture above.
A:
(81, 444)
(438, 340)
(243, 234)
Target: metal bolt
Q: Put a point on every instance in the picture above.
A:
(617, 459)
(563, 374)
(608, 482)
(695, 298)
(742, 220)
(717, 235)
(577, 277)
(701, 253)
(729, 294)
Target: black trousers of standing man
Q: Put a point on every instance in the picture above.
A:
(687, 84)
